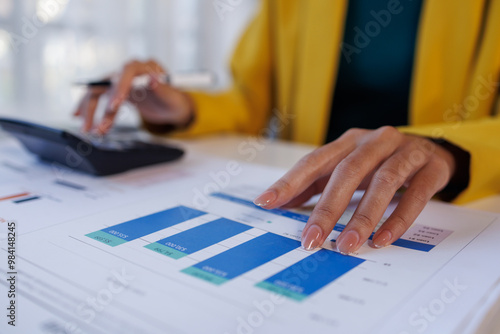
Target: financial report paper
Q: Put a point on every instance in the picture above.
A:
(181, 248)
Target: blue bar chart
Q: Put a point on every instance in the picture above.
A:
(297, 281)
(310, 274)
(405, 243)
(242, 258)
(118, 234)
(197, 238)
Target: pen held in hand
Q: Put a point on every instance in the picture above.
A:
(180, 80)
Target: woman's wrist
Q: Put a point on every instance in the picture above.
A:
(459, 181)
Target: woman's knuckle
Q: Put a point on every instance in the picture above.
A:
(352, 133)
(363, 221)
(389, 178)
(283, 185)
(388, 133)
(153, 65)
(313, 160)
(348, 168)
(131, 65)
(420, 195)
(310, 159)
(324, 212)
(399, 223)
(439, 163)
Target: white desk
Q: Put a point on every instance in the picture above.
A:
(284, 155)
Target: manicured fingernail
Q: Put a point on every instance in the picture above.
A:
(383, 239)
(346, 243)
(312, 238)
(103, 127)
(266, 198)
(86, 127)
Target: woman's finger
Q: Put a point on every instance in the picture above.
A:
(87, 106)
(313, 166)
(387, 179)
(120, 91)
(427, 182)
(345, 179)
(314, 189)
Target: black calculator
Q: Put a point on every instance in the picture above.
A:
(99, 156)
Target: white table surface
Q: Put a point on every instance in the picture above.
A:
(276, 153)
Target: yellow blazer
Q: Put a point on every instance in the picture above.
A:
(286, 63)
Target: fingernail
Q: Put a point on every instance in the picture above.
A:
(383, 239)
(265, 198)
(86, 127)
(346, 244)
(312, 238)
(103, 127)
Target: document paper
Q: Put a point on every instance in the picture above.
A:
(193, 254)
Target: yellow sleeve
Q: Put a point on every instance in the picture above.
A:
(481, 139)
(245, 107)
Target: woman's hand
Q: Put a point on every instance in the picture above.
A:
(158, 103)
(378, 161)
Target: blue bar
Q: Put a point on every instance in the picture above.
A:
(203, 236)
(400, 242)
(247, 256)
(310, 274)
(412, 245)
(339, 227)
(155, 222)
(279, 212)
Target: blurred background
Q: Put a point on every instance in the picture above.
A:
(47, 45)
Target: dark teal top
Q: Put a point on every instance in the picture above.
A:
(375, 69)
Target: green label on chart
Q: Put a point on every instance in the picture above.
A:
(281, 291)
(195, 272)
(165, 250)
(106, 238)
